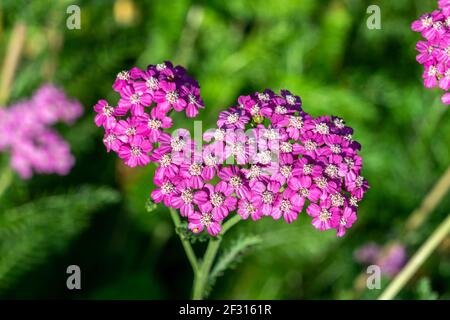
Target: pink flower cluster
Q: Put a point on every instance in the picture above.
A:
(25, 131)
(142, 112)
(434, 51)
(266, 158)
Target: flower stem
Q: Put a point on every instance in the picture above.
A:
(429, 203)
(202, 276)
(417, 260)
(416, 218)
(5, 179)
(185, 242)
(11, 61)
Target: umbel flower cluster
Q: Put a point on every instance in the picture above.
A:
(142, 113)
(26, 132)
(266, 158)
(434, 50)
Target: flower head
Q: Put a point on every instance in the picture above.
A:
(434, 49)
(26, 132)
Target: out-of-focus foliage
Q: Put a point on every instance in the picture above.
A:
(30, 232)
(320, 50)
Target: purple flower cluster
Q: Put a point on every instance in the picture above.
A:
(390, 260)
(142, 113)
(25, 131)
(267, 157)
(434, 51)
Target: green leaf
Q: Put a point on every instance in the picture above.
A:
(424, 290)
(31, 232)
(186, 233)
(150, 206)
(232, 256)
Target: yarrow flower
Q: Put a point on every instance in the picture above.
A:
(434, 50)
(147, 98)
(276, 168)
(266, 158)
(26, 132)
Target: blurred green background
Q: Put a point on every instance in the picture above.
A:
(321, 50)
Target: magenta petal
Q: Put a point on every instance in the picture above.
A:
(214, 229)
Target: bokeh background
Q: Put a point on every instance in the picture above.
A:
(321, 50)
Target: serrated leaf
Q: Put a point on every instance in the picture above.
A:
(31, 232)
(150, 206)
(231, 257)
(184, 232)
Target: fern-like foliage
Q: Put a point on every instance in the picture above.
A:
(29, 233)
(231, 256)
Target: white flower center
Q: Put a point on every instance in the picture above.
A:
(219, 135)
(286, 147)
(337, 200)
(161, 66)
(172, 97)
(217, 199)
(339, 123)
(167, 188)
(271, 134)
(286, 171)
(123, 75)
(235, 181)
(296, 122)
(136, 151)
(290, 99)
(285, 205)
(249, 208)
(331, 170)
(233, 118)
(195, 169)
(353, 201)
(310, 145)
(210, 160)
(131, 131)
(110, 138)
(166, 160)
(359, 181)
(152, 83)
(280, 110)
(432, 71)
(322, 128)
(263, 97)
(206, 219)
(187, 195)
(324, 215)
(265, 157)
(177, 144)
(135, 98)
(108, 110)
(304, 192)
(255, 109)
(427, 22)
(307, 169)
(255, 171)
(321, 182)
(154, 124)
(267, 197)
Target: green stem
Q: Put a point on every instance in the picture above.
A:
(417, 260)
(185, 242)
(202, 276)
(5, 180)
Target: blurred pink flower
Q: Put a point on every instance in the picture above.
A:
(25, 131)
